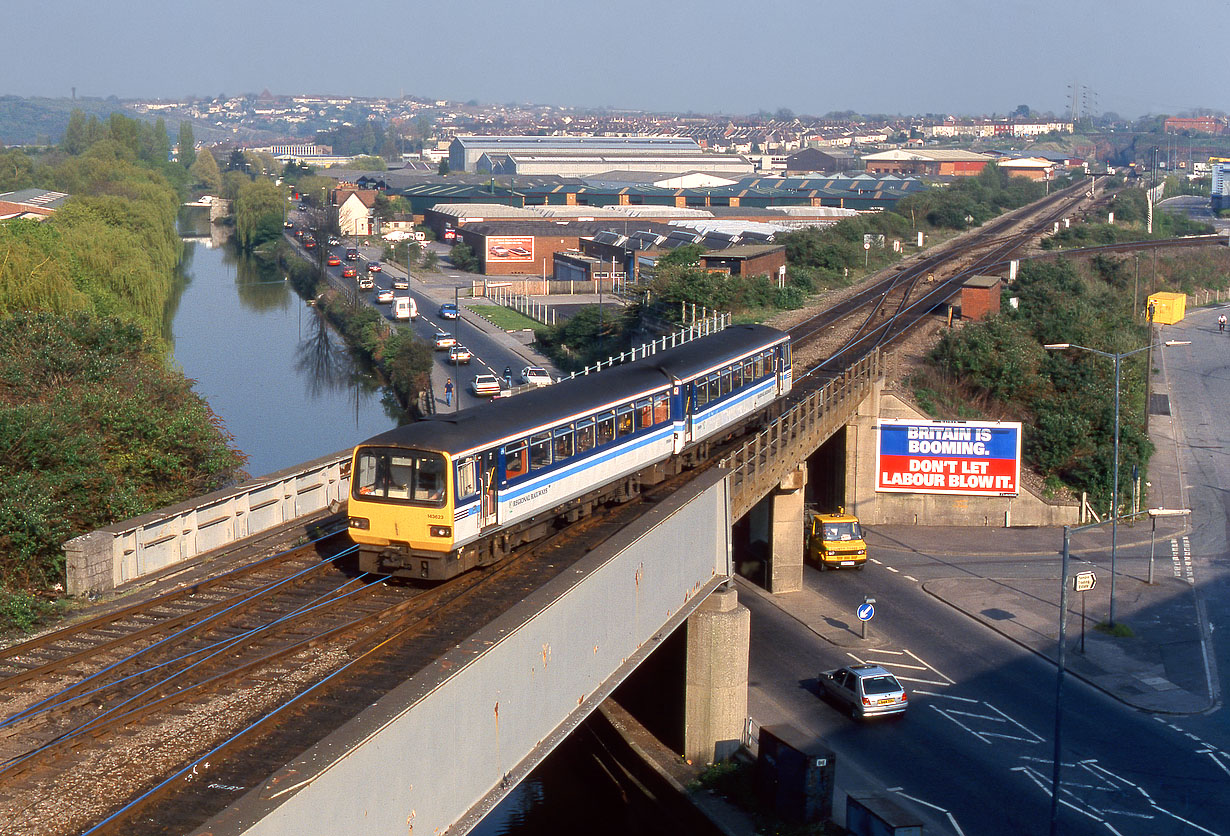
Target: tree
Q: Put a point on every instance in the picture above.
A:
(258, 213)
(237, 161)
(205, 173)
(442, 169)
(431, 260)
(75, 141)
(187, 145)
(1021, 112)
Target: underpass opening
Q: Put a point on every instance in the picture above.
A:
(826, 475)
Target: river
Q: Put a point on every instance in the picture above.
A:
(287, 391)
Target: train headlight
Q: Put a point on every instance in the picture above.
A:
(440, 531)
(359, 522)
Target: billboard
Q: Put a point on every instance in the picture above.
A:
(510, 248)
(970, 458)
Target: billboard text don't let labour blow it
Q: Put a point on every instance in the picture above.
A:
(974, 458)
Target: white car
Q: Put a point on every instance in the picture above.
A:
(444, 341)
(486, 385)
(536, 376)
(385, 297)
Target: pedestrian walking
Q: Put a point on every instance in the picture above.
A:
(448, 393)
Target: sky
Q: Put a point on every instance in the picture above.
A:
(963, 57)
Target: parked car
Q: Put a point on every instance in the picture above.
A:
(864, 690)
(485, 385)
(448, 311)
(349, 272)
(334, 261)
(385, 297)
(374, 267)
(366, 283)
(459, 354)
(536, 376)
(444, 340)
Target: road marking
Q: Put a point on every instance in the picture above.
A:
(947, 678)
(951, 819)
(962, 725)
(891, 569)
(910, 578)
(1217, 760)
(945, 696)
(1037, 737)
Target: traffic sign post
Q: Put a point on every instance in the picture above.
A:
(1082, 582)
(865, 613)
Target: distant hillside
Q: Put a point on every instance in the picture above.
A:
(38, 121)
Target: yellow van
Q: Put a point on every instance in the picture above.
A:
(835, 541)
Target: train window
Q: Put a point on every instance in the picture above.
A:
(563, 443)
(749, 372)
(760, 365)
(540, 450)
(585, 435)
(516, 460)
(644, 414)
(736, 376)
(408, 475)
(726, 382)
(661, 408)
(606, 427)
(467, 477)
(714, 385)
(624, 422)
(785, 356)
(702, 394)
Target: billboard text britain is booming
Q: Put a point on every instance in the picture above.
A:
(973, 458)
(509, 248)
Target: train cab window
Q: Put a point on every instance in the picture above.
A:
(563, 443)
(467, 477)
(606, 427)
(408, 475)
(624, 421)
(516, 460)
(661, 408)
(540, 450)
(585, 435)
(644, 414)
(785, 356)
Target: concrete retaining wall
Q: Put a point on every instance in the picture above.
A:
(872, 508)
(104, 559)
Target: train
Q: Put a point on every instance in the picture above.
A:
(436, 498)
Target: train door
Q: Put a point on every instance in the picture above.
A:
(488, 485)
(683, 427)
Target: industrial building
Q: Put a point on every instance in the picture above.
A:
(930, 163)
(465, 151)
(1221, 186)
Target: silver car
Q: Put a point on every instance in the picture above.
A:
(865, 690)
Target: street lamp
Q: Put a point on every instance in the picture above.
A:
(1114, 487)
(1154, 513)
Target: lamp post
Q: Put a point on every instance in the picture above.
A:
(1154, 513)
(1114, 487)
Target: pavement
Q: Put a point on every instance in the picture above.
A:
(1164, 666)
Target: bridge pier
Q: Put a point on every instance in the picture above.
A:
(715, 692)
(785, 571)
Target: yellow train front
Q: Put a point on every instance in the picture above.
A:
(432, 499)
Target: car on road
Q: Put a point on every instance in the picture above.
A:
(385, 297)
(448, 311)
(366, 283)
(309, 243)
(302, 207)
(444, 340)
(459, 354)
(485, 385)
(536, 376)
(334, 241)
(864, 690)
(288, 225)
(352, 254)
(401, 283)
(374, 267)
(349, 272)
(334, 261)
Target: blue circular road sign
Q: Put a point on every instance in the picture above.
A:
(866, 611)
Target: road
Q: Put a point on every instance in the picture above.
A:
(490, 356)
(975, 748)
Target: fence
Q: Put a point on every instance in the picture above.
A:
(767, 459)
(704, 327)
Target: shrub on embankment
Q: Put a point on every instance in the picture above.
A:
(95, 423)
